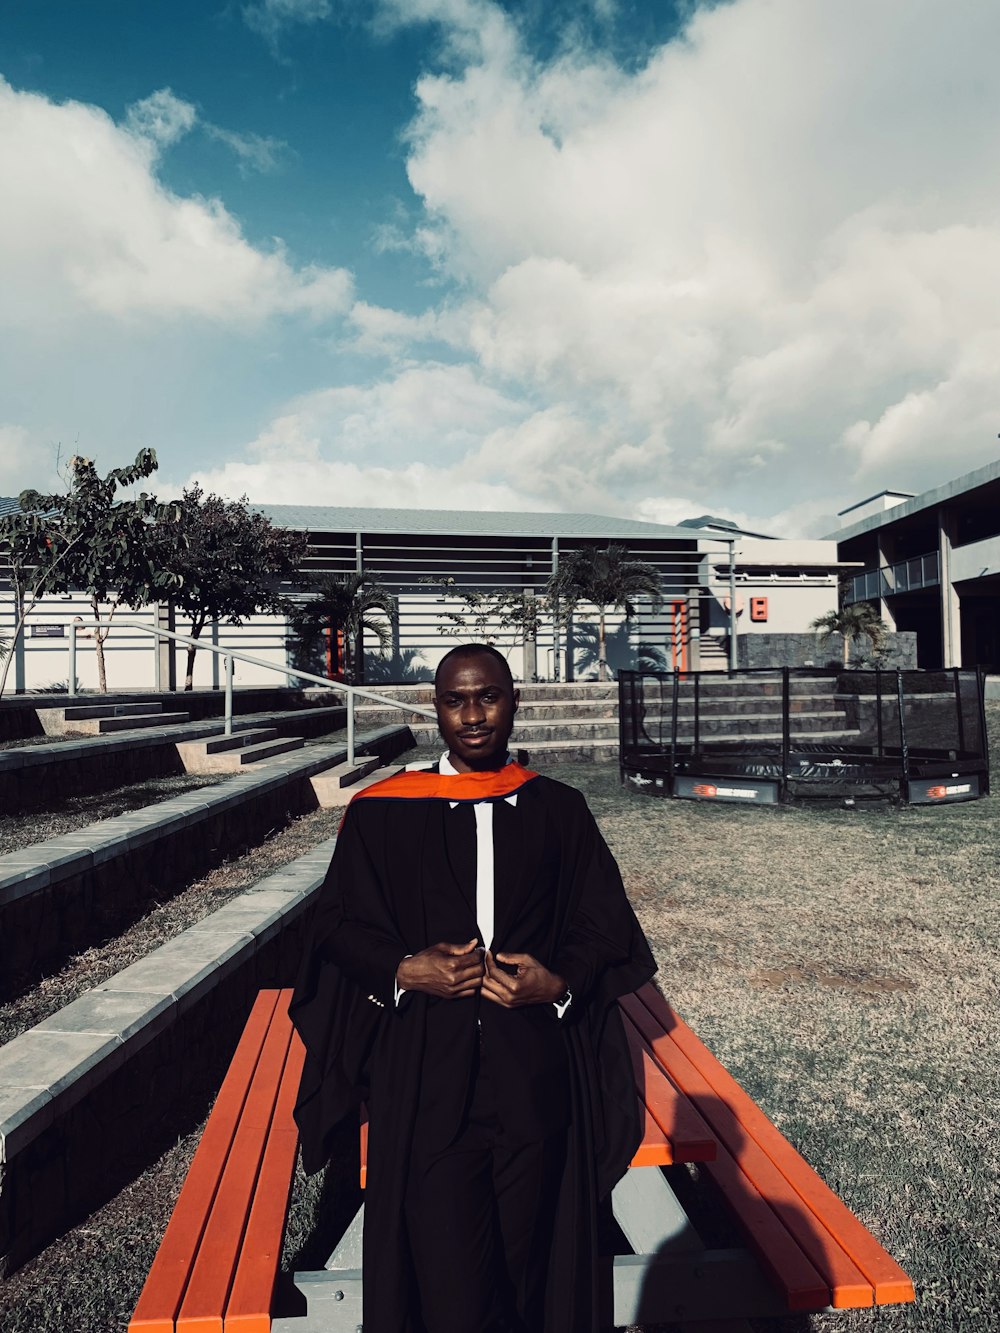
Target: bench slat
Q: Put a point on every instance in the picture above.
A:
(364, 1144)
(848, 1286)
(794, 1274)
(654, 1150)
(164, 1287)
(889, 1282)
(689, 1139)
(208, 1289)
(248, 1310)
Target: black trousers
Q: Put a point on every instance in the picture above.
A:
(479, 1218)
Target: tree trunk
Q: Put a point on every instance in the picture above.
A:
(602, 649)
(196, 628)
(20, 615)
(99, 636)
(847, 648)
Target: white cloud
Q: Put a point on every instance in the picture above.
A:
(161, 117)
(271, 17)
(760, 268)
(88, 229)
(15, 460)
(254, 152)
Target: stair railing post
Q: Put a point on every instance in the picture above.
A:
(350, 727)
(229, 696)
(71, 683)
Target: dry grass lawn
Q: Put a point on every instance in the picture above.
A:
(842, 963)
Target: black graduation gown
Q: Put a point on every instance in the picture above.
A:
(392, 890)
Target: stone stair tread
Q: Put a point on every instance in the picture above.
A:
(333, 794)
(134, 721)
(345, 774)
(86, 712)
(237, 740)
(812, 737)
(250, 754)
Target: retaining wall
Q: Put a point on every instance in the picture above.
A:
(38, 777)
(58, 896)
(94, 1094)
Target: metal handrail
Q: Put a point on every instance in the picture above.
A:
(232, 655)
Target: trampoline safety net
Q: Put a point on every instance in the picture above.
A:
(786, 734)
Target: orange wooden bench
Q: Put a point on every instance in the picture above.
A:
(815, 1251)
(216, 1267)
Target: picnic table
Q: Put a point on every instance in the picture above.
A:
(803, 1249)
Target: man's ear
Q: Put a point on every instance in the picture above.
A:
(517, 699)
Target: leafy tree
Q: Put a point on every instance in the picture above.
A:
(25, 548)
(487, 615)
(853, 623)
(92, 541)
(405, 667)
(348, 604)
(227, 562)
(607, 578)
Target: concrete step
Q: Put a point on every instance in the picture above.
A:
(217, 754)
(531, 691)
(103, 726)
(747, 724)
(39, 776)
(84, 712)
(236, 741)
(251, 754)
(597, 728)
(543, 754)
(81, 1091)
(550, 710)
(58, 896)
(764, 687)
(813, 737)
(710, 705)
(332, 791)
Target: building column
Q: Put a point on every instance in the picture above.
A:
(885, 581)
(530, 644)
(166, 649)
(951, 610)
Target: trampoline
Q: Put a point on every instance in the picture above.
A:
(797, 734)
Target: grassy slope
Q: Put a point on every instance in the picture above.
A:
(843, 965)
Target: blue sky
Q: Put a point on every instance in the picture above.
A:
(635, 258)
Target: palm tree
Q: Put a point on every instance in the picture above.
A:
(607, 578)
(853, 623)
(345, 605)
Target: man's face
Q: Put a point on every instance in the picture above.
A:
(475, 708)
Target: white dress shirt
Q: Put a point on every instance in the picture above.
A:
(485, 881)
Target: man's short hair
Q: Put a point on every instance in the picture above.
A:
(475, 650)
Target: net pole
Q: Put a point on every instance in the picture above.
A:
(904, 753)
(878, 710)
(786, 728)
(984, 747)
(673, 729)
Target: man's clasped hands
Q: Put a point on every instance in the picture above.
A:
(451, 971)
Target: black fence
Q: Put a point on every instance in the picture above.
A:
(785, 734)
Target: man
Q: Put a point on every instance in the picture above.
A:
(467, 949)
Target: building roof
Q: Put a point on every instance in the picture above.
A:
(465, 523)
(902, 495)
(9, 505)
(927, 500)
(709, 522)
